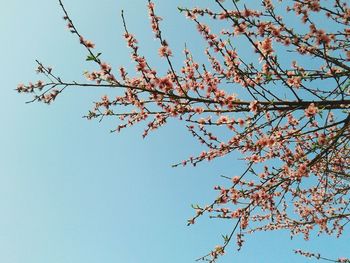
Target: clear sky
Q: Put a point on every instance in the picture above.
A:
(72, 192)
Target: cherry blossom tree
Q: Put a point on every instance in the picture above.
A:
(285, 108)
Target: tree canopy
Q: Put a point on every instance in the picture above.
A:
(284, 108)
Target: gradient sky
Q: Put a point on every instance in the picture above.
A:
(72, 192)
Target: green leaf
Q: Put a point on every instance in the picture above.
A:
(93, 57)
(90, 58)
(225, 237)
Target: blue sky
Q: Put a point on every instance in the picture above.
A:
(72, 192)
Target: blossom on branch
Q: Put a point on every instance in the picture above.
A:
(285, 108)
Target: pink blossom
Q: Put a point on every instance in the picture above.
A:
(311, 110)
(164, 51)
